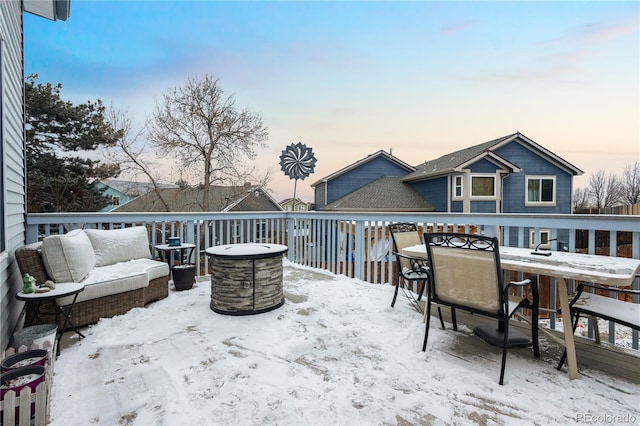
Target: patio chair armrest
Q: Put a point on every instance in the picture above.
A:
(532, 282)
(525, 282)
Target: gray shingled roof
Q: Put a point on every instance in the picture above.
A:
(452, 160)
(235, 198)
(385, 193)
(449, 162)
(134, 189)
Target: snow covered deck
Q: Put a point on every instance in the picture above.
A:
(335, 353)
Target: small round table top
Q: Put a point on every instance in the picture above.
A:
(247, 250)
(61, 290)
(170, 247)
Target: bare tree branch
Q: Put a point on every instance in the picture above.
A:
(631, 183)
(604, 189)
(130, 150)
(580, 199)
(201, 127)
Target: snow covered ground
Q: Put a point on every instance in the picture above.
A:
(335, 354)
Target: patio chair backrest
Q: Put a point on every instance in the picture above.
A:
(465, 271)
(404, 235)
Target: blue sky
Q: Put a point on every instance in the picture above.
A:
(352, 78)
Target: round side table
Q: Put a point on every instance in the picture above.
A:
(34, 302)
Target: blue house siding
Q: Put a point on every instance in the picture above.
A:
(359, 177)
(483, 166)
(510, 159)
(514, 190)
(111, 192)
(435, 191)
(319, 195)
(483, 206)
(457, 207)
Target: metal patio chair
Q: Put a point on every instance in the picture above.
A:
(590, 304)
(465, 274)
(408, 268)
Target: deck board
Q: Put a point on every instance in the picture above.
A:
(617, 361)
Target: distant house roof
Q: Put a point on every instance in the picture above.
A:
(387, 193)
(221, 199)
(459, 160)
(293, 202)
(358, 163)
(134, 189)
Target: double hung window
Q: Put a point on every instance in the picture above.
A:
(457, 186)
(541, 190)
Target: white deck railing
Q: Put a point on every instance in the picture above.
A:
(357, 244)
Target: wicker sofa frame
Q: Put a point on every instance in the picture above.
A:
(29, 258)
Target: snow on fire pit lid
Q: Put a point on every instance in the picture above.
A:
(247, 250)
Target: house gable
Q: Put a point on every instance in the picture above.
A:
(508, 165)
(533, 164)
(357, 175)
(297, 205)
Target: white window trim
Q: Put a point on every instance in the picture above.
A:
(533, 242)
(455, 186)
(483, 197)
(539, 203)
(260, 231)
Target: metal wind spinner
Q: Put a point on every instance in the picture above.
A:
(297, 161)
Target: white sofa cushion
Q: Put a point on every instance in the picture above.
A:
(119, 245)
(153, 268)
(68, 257)
(118, 278)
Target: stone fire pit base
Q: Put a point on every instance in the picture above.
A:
(246, 279)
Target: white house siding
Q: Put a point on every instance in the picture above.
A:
(13, 170)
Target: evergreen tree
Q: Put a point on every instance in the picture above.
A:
(60, 138)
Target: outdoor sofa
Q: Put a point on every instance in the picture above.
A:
(115, 266)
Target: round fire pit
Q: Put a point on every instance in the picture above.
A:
(246, 279)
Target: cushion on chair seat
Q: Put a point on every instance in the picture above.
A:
(609, 308)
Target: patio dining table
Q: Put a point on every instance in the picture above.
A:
(563, 266)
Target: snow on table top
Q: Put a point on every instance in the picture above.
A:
(587, 267)
(247, 249)
(610, 270)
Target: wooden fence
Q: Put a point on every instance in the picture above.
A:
(28, 408)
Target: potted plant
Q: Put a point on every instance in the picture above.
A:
(183, 276)
(17, 379)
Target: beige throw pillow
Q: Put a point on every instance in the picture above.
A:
(119, 245)
(68, 257)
